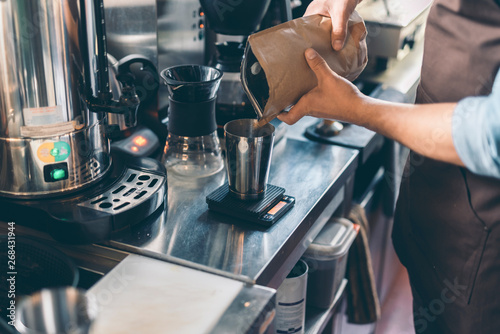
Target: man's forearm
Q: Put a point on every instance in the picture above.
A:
(426, 129)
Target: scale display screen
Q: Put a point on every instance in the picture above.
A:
(277, 208)
(277, 211)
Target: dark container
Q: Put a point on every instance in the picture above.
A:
(327, 260)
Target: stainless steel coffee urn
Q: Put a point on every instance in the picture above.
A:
(55, 96)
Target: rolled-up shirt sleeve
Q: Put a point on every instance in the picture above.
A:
(476, 132)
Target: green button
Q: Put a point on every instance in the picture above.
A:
(64, 150)
(58, 174)
(54, 152)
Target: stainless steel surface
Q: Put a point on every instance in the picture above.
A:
(249, 149)
(168, 298)
(392, 36)
(117, 120)
(190, 235)
(63, 310)
(252, 311)
(181, 36)
(131, 28)
(40, 100)
(94, 258)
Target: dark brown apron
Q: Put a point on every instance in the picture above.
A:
(447, 225)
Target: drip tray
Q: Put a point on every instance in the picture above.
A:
(132, 189)
(265, 212)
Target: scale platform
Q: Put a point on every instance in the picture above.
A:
(265, 212)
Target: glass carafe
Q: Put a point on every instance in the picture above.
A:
(192, 149)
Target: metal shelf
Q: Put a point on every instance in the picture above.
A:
(317, 319)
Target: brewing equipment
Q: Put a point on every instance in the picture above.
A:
(249, 148)
(232, 102)
(55, 97)
(192, 147)
(181, 37)
(233, 22)
(394, 28)
(144, 78)
(247, 195)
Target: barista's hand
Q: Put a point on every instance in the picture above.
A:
(333, 98)
(423, 128)
(339, 11)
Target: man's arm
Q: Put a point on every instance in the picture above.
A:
(425, 128)
(433, 130)
(476, 132)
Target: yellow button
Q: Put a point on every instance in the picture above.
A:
(44, 152)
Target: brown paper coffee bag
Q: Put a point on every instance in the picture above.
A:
(280, 52)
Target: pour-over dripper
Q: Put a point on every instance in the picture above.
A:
(192, 148)
(192, 83)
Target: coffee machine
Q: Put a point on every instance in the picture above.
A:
(57, 172)
(232, 22)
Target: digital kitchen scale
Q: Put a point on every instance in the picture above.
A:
(265, 212)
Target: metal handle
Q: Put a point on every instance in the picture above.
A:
(129, 82)
(98, 96)
(103, 91)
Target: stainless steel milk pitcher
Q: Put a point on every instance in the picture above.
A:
(54, 96)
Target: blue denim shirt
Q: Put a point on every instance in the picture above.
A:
(476, 132)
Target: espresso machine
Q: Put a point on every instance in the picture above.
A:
(232, 22)
(394, 29)
(57, 171)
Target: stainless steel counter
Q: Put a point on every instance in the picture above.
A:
(188, 234)
(144, 295)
